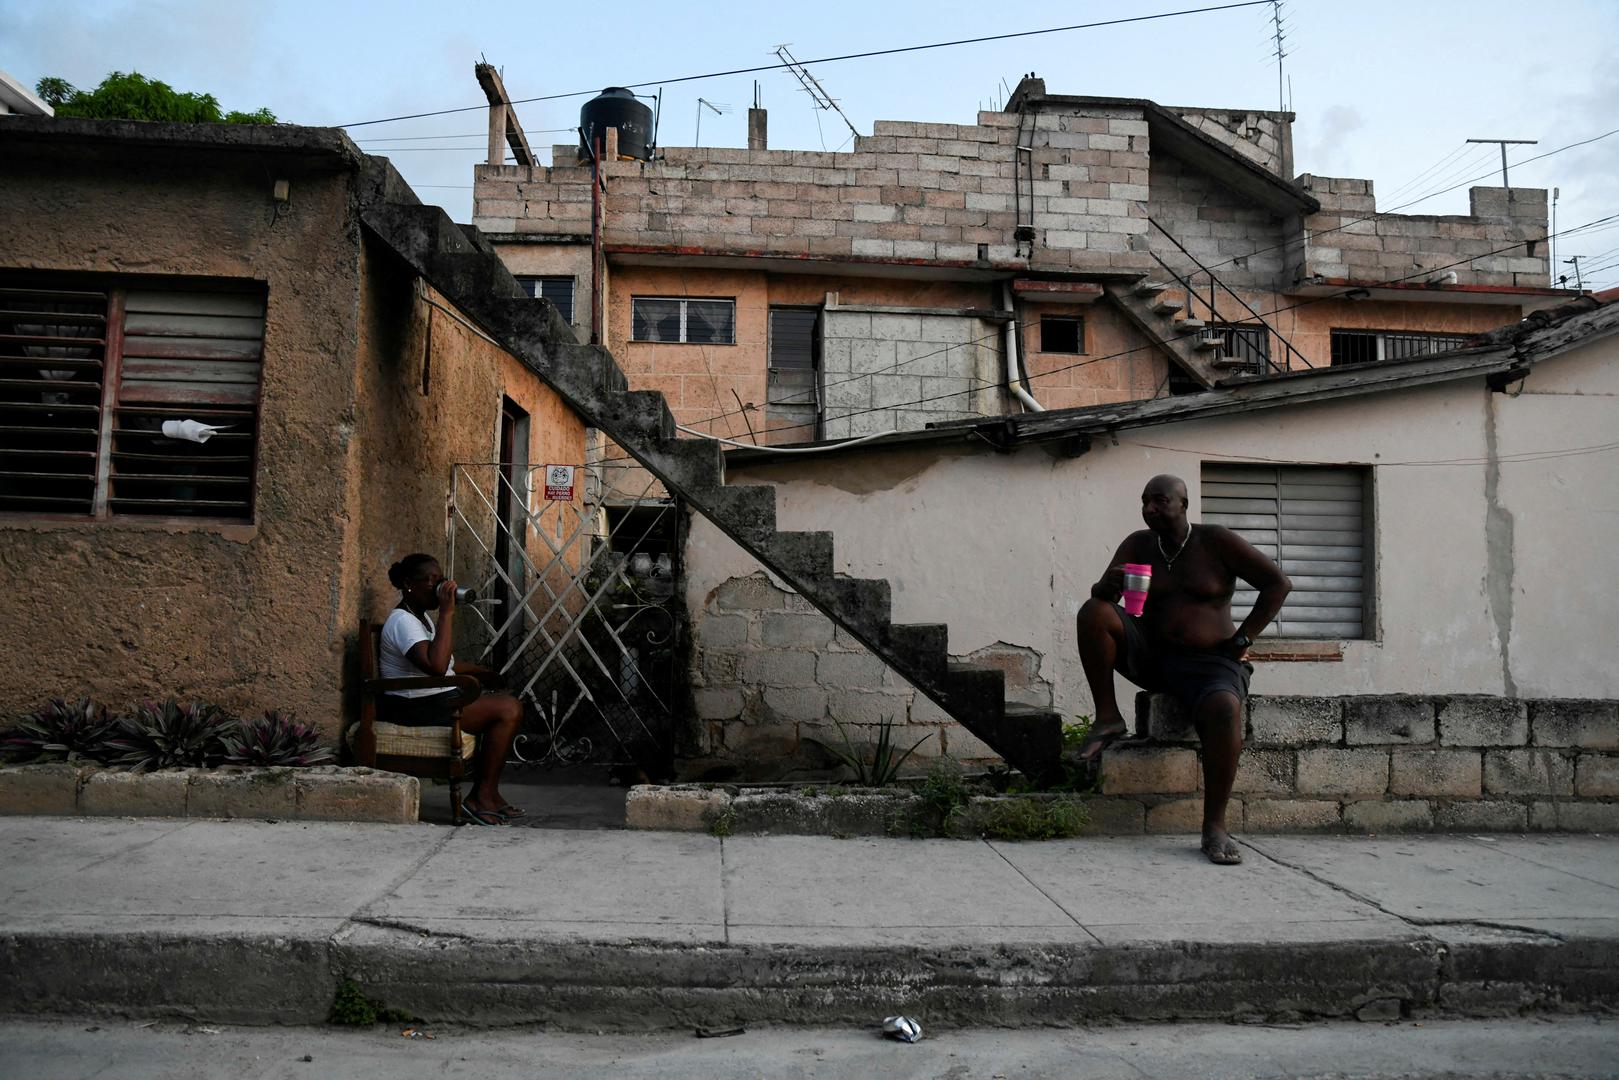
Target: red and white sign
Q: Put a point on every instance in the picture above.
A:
(559, 483)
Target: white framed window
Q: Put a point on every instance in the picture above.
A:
(558, 290)
(683, 320)
(1367, 346)
(1315, 521)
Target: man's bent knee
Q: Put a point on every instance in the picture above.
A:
(1098, 616)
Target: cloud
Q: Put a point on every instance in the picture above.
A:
(1325, 152)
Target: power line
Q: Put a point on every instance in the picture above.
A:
(832, 59)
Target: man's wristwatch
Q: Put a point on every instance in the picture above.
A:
(1240, 643)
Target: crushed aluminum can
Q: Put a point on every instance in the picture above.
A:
(902, 1028)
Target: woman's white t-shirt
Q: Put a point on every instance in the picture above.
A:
(399, 635)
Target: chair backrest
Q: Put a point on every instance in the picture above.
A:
(370, 649)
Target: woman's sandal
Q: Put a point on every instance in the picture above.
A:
(510, 812)
(482, 817)
(1097, 742)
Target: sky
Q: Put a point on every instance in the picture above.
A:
(1383, 89)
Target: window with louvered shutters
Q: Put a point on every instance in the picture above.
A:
(1313, 522)
(794, 345)
(108, 362)
(558, 290)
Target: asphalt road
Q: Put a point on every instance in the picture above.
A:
(115, 1050)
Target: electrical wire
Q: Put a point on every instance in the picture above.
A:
(831, 59)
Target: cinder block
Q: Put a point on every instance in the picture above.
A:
(752, 593)
(242, 793)
(356, 794)
(1372, 721)
(1484, 815)
(1452, 773)
(1292, 815)
(1163, 719)
(1528, 772)
(1265, 772)
(1115, 817)
(1295, 721)
(803, 703)
(958, 742)
(109, 793)
(1597, 775)
(1591, 724)
(1394, 816)
(1332, 771)
(50, 788)
(722, 630)
(861, 670)
(867, 707)
(771, 667)
(718, 703)
(1483, 721)
(1185, 816)
(794, 630)
(674, 809)
(1151, 770)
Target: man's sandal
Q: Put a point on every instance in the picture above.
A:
(482, 817)
(1097, 742)
(510, 812)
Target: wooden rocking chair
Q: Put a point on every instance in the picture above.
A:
(438, 753)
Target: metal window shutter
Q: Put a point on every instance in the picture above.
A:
(52, 361)
(559, 290)
(1312, 522)
(187, 355)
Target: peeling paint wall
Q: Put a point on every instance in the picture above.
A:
(1004, 548)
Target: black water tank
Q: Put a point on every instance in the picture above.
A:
(616, 107)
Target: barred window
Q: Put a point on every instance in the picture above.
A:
(91, 371)
(558, 290)
(1366, 346)
(692, 322)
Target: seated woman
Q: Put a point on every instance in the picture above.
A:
(414, 646)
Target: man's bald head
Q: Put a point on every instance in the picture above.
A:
(1167, 484)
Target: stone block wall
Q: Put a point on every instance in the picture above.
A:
(1264, 138)
(1505, 235)
(950, 368)
(1379, 764)
(1246, 245)
(770, 674)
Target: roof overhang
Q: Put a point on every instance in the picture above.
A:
(793, 263)
(1528, 298)
(329, 146)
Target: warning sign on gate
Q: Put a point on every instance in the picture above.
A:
(559, 482)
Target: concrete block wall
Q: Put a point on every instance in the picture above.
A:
(949, 372)
(770, 673)
(1505, 236)
(1244, 244)
(1381, 764)
(1264, 138)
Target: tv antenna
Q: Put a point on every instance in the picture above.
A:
(1504, 144)
(719, 108)
(1579, 281)
(1278, 50)
(812, 87)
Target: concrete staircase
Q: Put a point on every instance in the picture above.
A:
(459, 263)
(1191, 343)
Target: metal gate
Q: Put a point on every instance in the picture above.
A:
(577, 605)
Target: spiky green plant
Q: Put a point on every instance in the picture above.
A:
(170, 736)
(885, 757)
(275, 740)
(62, 731)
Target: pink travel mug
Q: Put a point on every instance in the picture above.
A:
(1137, 579)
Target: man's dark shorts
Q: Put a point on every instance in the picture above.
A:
(1188, 675)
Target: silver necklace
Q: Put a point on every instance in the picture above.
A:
(1169, 560)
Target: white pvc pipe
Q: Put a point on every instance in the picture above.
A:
(1014, 380)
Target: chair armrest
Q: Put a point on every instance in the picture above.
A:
(466, 684)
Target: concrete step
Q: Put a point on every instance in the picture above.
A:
(1231, 363)
(1210, 342)
(1189, 325)
(749, 511)
(1149, 289)
(974, 694)
(864, 604)
(924, 647)
(1168, 307)
(799, 555)
(639, 415)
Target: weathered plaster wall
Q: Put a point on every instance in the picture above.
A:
(1116, 363)
(1004, 548)
(252, 616)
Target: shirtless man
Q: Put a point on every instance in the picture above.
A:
(1184, 643)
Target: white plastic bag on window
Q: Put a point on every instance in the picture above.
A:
(191, 430)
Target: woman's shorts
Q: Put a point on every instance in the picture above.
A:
(1188, 675)
(429, 710)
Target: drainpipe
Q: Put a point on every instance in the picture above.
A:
(596, 180)
(1014, 376)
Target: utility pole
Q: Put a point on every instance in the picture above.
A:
(1504, 144)
(1579, 282)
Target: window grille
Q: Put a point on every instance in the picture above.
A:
(1365, 346)
(558, 290)
(691, 322)
(794, 356)
(1250, 344)
(1313, 521)
(89, 373)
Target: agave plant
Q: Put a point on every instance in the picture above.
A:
(170, 736)
(885, 755)
(62, 730)
(275, 740)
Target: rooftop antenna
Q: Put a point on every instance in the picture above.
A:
(1579, 280)
(817, 93)
(719, 108)
(1504, 144)
(1278, 50)
(1551, 237)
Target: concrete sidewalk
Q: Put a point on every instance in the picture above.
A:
(256, 922)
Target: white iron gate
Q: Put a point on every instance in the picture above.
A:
(576, 605)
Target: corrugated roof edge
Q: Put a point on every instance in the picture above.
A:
(1541, 336)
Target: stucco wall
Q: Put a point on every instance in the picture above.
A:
(246, 615)
(1492, 579)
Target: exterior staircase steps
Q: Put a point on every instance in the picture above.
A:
(1167, 307)
(458, 263)
(1180, 339)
